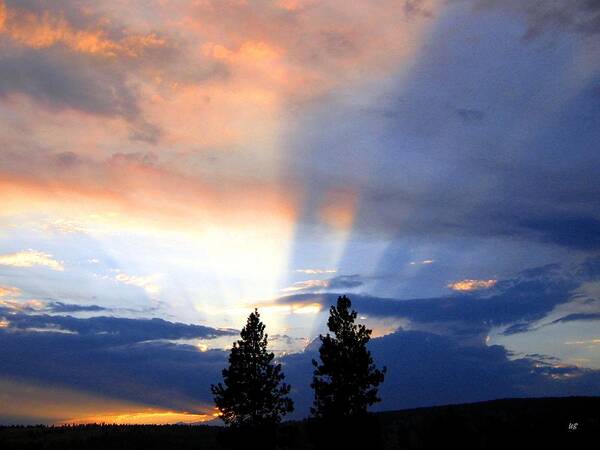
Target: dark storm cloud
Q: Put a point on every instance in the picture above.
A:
(423, 369)
(581, 16)
(426, 369)
(576, 232)
(578, 317)
(60, 80)
(113, 330)
(48, 306)
(345, 282)
(61, 308)
(69, 9)
(483, 137)
(125, 358)
(515, 303)
(153, 373)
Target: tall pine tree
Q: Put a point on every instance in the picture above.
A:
(252, 392)
(347, 380)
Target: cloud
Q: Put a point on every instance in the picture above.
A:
(21, 305)
(307, 285)
(475, 182)
(235, 119)
(425, 369)
(579, 16)
(111, 358)
(138, 75)
(148, 283)
(44, 29)
(54, 79)
(63, 226)
(31, 258)
(14, 304)
(316, 271)
(115, 358)
(338, 282)
(590, 342)
(109, 331)
(471, 285)
(8, 291)
(61, 308)
(423, 262)
(515, 303)
(578, 316)
(575, 232)
(67, 58)
(263, 73)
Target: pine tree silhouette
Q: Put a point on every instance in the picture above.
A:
(253, 392)
(347, 380)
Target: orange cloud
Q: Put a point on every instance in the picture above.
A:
(45, 30)
(471, 285)
(3, 14)
(130, 191)
(223, 102)
(17, 305)
(310, 47)
(7, 291)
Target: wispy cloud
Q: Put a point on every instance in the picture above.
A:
(307, 285)
(337, 282)
(316, 271)
(589, 342)
(31, 258)
(148, 283)
(64, 226)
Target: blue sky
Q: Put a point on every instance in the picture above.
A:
(167, 166)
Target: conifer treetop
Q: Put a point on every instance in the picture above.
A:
(252, 391)
(346, 380)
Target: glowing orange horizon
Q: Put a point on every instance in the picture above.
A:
(142, 418)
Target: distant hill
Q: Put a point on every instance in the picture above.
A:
(497, 424)
(500, 424)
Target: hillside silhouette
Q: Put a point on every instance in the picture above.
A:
(497, 424)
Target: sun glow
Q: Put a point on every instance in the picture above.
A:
(61, 405)
(143, 418)
(184, 191)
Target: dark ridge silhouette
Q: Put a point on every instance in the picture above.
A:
(566, 422)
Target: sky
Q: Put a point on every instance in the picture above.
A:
(166, 166)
